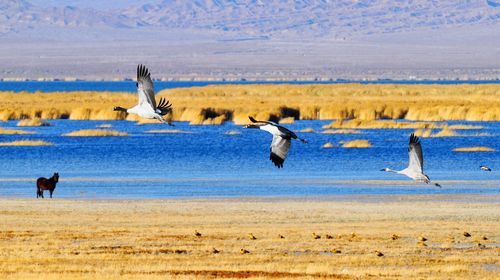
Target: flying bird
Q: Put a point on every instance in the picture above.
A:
(485, 168)
(415, 169)
(282, 139)
(147, 107)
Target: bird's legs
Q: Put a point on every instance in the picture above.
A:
(161, 119)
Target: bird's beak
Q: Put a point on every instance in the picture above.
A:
(382, 169)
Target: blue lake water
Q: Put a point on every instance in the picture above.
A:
(129, 86)
(208, 163)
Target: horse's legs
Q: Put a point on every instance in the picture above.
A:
(51, 191)
(41, 193)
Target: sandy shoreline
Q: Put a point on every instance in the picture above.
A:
(64, 238)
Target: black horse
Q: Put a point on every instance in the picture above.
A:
(43, 184)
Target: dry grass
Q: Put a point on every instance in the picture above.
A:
(359, 143)
(341, 131)
(26, 143)
(32, 122)
(446, 131)
(386, 124)
(217, 104)
(424, 133)
(474, 149)
(307, 130)
(328, 145)
(6, 131)
(96, 132)
(154, 239)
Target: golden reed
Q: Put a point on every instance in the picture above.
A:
(213, 105)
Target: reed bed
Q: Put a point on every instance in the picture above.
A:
(424, 133)
(328, 145)
(358, 143)
(216, 104)
(341, 131)
(33, 122)
(387, 124)
(192, 239)
(445, 132)
(27, 143)
(96, 133)
(474, 149)
(6, 131)
(307, 130)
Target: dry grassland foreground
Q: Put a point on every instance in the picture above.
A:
(216, 104)
(417, 237)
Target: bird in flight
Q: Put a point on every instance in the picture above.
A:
(485, 168)
(147, 107)
(282, 139)
(415, 169)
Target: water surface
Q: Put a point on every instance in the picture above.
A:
(206, 162)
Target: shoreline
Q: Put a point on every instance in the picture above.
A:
(371, 198)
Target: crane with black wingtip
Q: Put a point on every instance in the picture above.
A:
(146, 106)
(282, 139)
(415, 169)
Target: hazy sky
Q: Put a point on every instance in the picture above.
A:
(97, 4)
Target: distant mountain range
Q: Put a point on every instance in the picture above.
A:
(250, 39)
(266, 19)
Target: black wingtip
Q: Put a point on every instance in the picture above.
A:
(276, 160)
(413, 139)
(142, 71)
(252, 119)
(164, 106)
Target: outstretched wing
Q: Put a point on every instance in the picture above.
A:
(164, 106)
(415, 154)
(256, 121)
(145, 86)
(279, 150)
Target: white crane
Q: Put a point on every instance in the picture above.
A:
(415, 169)
(485, 168)
(147, 107)
(282, 139)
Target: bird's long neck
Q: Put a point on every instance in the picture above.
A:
(121, 109)
(391, 170)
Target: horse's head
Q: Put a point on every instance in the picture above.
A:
(56, 177)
